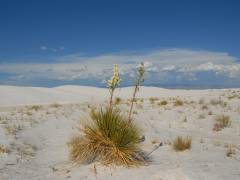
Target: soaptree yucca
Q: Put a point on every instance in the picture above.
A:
(111, 138)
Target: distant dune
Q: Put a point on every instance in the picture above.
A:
(16, 95)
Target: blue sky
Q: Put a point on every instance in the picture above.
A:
(185, 43)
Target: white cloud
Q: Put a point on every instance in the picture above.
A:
(45, 48)
(184, 63)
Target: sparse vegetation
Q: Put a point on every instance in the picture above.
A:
(178, 102)
(56, 105)
(182, 143)
(13, 129)
(27, 150)
(135, 112)
(222, 122)
(215, 102)
(29, 113)
(232, 96)
(153, 100)
(3, 150)
(204, 107)
(230, 151)
(118, 100)
(163, 103)
(36, 107)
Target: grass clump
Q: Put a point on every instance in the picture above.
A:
(222, 122)
(55, 105)
(182, 144)
(153, 99)
(204, 107)
(163, 103)
(178, 102)
(110, 140)
(36, 107)
(118, 100)
(215, 102)
(3, 150)
(230, 151)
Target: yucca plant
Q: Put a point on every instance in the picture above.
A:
(110, 140)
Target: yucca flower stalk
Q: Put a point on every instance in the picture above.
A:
(139, 80)
(113, 83)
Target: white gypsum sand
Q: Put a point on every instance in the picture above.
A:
(37, 123)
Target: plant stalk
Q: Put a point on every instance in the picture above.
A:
(132, 101)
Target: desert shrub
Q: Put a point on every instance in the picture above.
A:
(178, 102)
(204, 107)
(233, 96)
(230, 151)
(182, 144)
(153, 99)
(215, 102)
(55, 105)
(135, 112)
(3, 149)
(163, 103)
(118, 100)
(36, 107)
(13, 129)
(110, 140)
(222, 122)
(29, 113)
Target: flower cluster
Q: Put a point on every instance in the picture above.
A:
(115, 79)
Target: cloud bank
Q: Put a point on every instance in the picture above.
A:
(168, 67)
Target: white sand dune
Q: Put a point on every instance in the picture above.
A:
(14, 95)
(37, 137)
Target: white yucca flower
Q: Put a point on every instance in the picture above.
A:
(114, 82)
